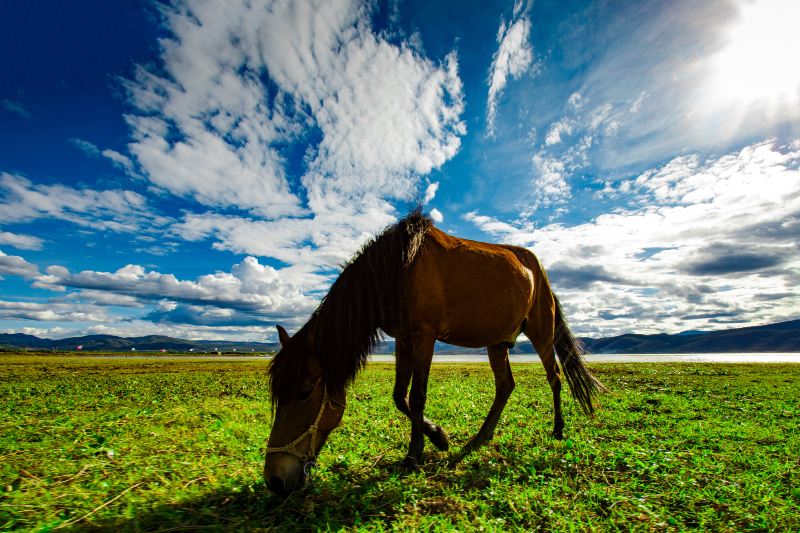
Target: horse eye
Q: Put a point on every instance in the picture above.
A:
(305, 393)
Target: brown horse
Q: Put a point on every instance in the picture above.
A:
(418, 285)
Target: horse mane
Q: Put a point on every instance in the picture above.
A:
(368, 294)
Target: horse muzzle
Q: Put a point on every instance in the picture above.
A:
(283, 473)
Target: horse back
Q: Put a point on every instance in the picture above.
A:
(470, 293)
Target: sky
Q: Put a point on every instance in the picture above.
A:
(202, 169)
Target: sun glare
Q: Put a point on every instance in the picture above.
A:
(760, 61)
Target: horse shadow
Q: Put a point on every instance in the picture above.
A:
(254, 507)
(342, 503)
(348, 499)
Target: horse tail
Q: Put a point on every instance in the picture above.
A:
(570, 352)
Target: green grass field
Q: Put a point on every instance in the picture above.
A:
(178, 445)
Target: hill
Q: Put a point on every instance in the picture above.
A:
(779, 337)
(152, 343)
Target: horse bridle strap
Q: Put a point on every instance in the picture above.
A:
(291, 448)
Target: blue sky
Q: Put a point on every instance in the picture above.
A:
(201, 169)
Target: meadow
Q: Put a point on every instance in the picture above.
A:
(168, 445)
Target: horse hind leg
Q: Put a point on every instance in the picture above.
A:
(503, 386)
(544, 347)
(403, 373)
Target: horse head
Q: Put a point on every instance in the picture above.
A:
(305, 414)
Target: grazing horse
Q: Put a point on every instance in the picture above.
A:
(418, 285)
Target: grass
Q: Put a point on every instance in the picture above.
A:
(131, 444)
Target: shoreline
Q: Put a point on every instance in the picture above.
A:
(745, 358)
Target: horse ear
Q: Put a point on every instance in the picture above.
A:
(282, 335)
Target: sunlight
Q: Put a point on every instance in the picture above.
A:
(758, 64)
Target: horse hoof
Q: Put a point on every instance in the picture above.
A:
(473, 444)
(558, 435)
(439, 439)
(410, 464)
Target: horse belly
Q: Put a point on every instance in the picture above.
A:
(471, 298)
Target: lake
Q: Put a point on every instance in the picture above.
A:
(514, 358)
(628, 358)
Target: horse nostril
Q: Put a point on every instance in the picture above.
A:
(276, 485)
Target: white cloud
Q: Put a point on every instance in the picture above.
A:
(376, 116)
(702, 242)
(99, 297)
(250, 288)
(313, 248)
(51, 312)
(16, 108)
(15, 265)
(554, 162)
(115, 210)
(513, 58)
(212, 130)
(549, 184)
(557, 129)
(119, 160)
(436, 215)
(86, 147)
(21, 241)
(430, 192)
(139, 328)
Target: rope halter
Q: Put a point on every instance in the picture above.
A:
(309, 456)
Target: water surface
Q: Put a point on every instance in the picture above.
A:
(628, 358)
(515, 358)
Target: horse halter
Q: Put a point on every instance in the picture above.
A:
(308, 458)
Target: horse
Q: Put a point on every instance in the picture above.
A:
(418, 285)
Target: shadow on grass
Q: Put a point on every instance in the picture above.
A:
(352, 497)
(321, 506)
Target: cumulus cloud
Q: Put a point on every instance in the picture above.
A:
(241, 86)
(51, 312)
(139, 328)
(313, 248)
(15, 265)
(248, 288)
(21, 241)
(209, 316)
(699, 245)
(513, 58)
(100, 298)
(115, 210)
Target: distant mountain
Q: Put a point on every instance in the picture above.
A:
(780, 337)
(111, 343)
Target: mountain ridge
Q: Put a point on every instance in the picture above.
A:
(777, 337)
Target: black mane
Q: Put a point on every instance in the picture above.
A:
(367, 295)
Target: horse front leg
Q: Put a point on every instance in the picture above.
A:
(503, 386)
(402, 377)
(422, 354)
